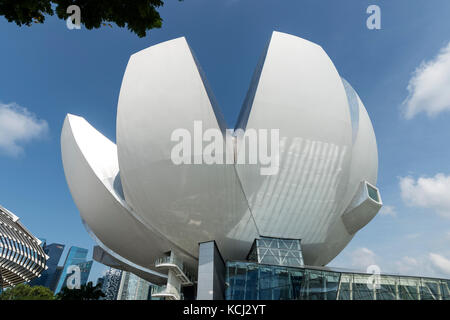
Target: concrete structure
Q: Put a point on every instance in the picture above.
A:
(22, 257)
(211, 271)
(142, 207)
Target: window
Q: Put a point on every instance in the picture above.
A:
(373, 193)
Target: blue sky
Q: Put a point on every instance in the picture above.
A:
(47, 71)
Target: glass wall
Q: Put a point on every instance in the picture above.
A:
(253, 281)
(275, 251)
(75, 256)
(133, 288)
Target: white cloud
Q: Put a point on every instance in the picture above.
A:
(417, 264)
(18, 126)
(388, 211)
(407, 266)
(429, 86)
(440, 262)
(361, 258)
(424, 265)
(432, 193)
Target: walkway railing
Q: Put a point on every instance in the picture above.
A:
(173, 262)
(165, 292)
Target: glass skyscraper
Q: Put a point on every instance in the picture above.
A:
(133, 288)
(76, 256)
(50, 276)
(111, 283)
(85, 269)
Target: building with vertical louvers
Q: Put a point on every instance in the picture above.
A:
(21, 256)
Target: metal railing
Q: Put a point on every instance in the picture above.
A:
(177, 262)
(166, 292)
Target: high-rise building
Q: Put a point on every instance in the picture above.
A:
(55, 281)
(22, 257)
(100, 281)
(75, 257)
(111, 283)
(133, 288)
(49, 277)
(85, 269)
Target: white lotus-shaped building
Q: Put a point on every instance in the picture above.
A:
(139, 205)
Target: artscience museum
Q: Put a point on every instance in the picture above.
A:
(202, 230)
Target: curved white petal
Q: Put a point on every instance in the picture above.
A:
(364, 167)
(111, 259)
(365, 152)
(91, 167)
(163, 90)
(297, 90)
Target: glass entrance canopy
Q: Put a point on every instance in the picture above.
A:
(283, 252)
(253, 281)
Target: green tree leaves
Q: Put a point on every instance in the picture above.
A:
(25, 292)
(138, 16)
